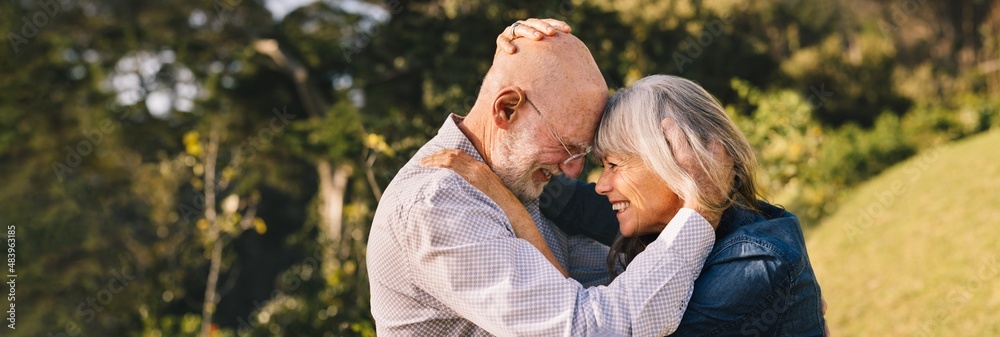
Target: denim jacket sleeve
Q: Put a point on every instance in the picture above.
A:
(750, 289)
(577, 209)
(736, 291)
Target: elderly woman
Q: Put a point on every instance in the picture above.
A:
(662, 142)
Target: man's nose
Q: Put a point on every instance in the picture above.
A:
(573, 168)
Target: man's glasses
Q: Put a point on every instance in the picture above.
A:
(572, 157)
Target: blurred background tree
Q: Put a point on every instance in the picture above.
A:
(107, 110)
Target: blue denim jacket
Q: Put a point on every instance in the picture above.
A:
(757, 281)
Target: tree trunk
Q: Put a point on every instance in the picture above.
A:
(208, 306)
(332, 187)
(332, 180)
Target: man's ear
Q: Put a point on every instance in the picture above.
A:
(506, 105)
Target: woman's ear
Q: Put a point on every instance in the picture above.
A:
(506, 105)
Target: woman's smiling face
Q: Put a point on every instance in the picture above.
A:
(644, 202)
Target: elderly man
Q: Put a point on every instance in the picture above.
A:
(443, 258)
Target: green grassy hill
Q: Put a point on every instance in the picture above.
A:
(916, 251)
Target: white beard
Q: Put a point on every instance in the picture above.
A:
(515, 161)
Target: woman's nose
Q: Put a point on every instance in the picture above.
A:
(573, 168)
(603, 184)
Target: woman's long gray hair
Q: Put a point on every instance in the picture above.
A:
(632, 126)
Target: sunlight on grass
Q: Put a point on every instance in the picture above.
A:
(914, 252)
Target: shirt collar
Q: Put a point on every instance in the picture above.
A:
(451, 137)
(736, 216)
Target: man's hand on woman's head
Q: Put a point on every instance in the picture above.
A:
(534, 29)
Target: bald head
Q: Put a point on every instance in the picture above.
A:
(558, 79)
(537, 63)
(559, 75)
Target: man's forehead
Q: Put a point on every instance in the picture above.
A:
(581, 121)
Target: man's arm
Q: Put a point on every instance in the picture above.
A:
(576, 208)
(465, 256)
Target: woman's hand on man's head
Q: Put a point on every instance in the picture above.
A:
(534, 29)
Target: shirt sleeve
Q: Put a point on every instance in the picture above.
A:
(576, 208)
(465, 256)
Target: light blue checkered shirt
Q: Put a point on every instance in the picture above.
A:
(443, 261)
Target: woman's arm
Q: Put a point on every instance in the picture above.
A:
(480, 175)
(483, 178)
(576, 208)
